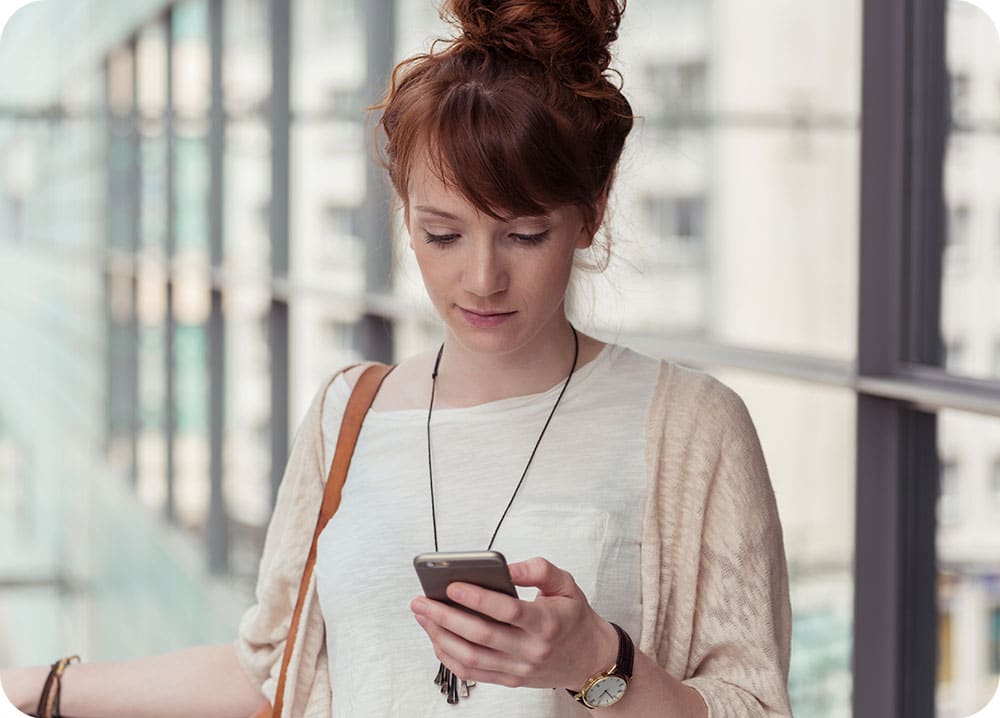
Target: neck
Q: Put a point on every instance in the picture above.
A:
(467, 378)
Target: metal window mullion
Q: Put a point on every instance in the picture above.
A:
(279, 118)
(374, 334)
(217, 533)
(896, 464)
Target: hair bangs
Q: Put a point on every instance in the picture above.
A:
(503, 151)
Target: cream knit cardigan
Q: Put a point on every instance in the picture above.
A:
(715, 603)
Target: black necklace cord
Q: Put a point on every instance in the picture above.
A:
(430, 407)
(430, 472)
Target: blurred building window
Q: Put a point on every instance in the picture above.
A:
(967, 546)
(192, 76)
(955, 356)
(677, 226)
(961, 113)
(680, 89)
(948, 504)
(995, 641)
(944, 672)
(995, 484)
(957, 245)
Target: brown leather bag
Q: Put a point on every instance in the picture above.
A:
(350, 426)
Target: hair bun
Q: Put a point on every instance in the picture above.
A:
(572, 37)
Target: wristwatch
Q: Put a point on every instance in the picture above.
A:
(608, 687)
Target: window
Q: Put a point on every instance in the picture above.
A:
(948, 503)
(961, 115)
(995, 640)
(954, 359)
(677, 224)
(995, 484)
(680, 90)
(944, 647)
(957, 243)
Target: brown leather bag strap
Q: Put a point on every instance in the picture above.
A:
(350, 426)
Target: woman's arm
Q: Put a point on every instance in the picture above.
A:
(204, 681)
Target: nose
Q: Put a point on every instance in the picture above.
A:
(485, 273)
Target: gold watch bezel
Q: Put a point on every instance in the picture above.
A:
(581, 695)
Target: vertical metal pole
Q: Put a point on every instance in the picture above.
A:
(894, 626)
(279, 120)
(929, 124)
(217, 530)
(373, 333)
(170, 400)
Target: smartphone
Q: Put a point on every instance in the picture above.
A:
(482, 568)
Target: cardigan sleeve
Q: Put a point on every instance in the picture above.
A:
(264, 627)
(741, 634)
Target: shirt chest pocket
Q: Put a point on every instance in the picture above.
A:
(571, 538)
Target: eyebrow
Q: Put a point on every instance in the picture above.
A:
(435, 211)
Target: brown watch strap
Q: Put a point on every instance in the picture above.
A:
(623, 663)
(350, 426)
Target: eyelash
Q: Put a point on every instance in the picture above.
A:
(446, 239)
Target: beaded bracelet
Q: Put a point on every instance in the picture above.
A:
(48, 704)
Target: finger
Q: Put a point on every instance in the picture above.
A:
(549, 579)
(494, 635)
(479, 675)
(498, 606)
(466, 656)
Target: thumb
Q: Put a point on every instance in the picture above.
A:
(549, 579)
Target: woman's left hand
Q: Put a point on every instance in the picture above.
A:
(555, 641)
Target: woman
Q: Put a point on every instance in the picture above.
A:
(630, 495)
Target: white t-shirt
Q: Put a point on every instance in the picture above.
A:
(581, 506)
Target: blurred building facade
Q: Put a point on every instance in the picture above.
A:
(193, 235)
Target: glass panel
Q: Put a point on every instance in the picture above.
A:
(970, 291)
(192, 76)
(192, 303)
(246, 59)
(191, 186)
(152, 448)
(808, 436)
(968, 544)
(151, 67)
(328, 59)
(120, 81)
(151, 71)
(247, 438)
(247, 198)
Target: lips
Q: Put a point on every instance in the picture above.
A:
(485, 319)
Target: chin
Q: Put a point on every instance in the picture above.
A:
(494, 341)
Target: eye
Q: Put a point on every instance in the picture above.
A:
(440, 239)
(531, 238)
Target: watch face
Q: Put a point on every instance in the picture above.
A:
(605, 691)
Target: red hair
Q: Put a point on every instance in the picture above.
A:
(517, 113)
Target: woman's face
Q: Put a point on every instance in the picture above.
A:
(498, 285)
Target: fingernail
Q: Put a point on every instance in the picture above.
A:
(456, 593)
(422, 621)
(419, 606)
